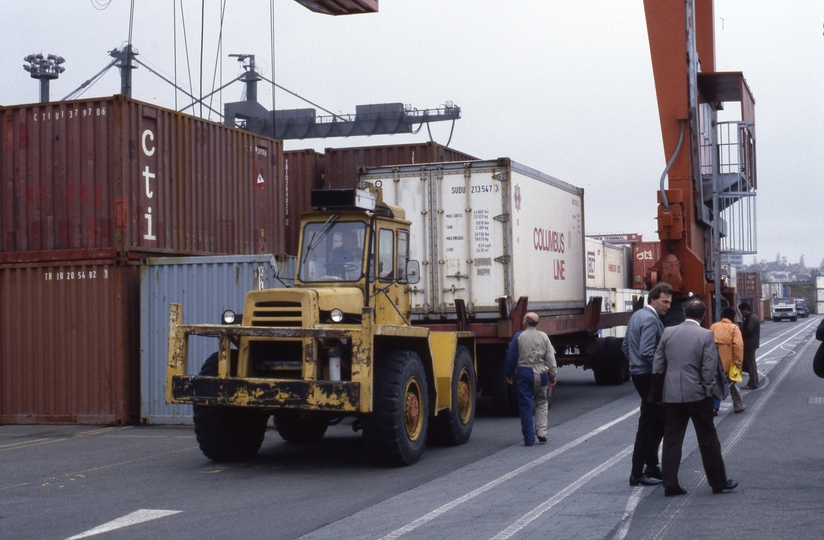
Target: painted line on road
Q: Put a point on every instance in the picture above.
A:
(626, 521)
(501, 479)
(38, 442)
(544, 507)
(134, 518)
(676, 506)
(814, 322)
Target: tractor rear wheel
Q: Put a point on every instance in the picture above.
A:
(454, 426)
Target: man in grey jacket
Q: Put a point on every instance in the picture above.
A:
(687, 359)
(530, 364)
(643, 334)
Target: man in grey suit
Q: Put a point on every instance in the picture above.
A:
(687, 360)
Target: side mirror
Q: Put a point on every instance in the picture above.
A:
(413, 274)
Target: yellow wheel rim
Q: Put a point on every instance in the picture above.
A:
(466, 396)
(413, 409)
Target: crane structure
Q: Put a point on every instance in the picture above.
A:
(708, 207)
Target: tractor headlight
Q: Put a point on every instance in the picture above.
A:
(336, 315)
(230, 317)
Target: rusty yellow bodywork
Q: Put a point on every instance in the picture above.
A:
(289, 327)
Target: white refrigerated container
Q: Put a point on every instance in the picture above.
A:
(489, 229)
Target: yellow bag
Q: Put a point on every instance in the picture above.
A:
(735, 373)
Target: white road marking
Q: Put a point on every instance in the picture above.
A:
(501, 479)
(633, 501)
(126, 521)
(542, 508)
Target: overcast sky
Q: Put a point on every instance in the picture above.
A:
(562, 86)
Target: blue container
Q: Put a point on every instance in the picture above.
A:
(206, 286)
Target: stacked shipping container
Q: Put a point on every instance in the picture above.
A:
(748, 289)
(119, 173)
(89, 187)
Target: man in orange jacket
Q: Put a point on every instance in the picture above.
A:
(730, 345)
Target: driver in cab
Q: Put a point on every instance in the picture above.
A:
(345, 260)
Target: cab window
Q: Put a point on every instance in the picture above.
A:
(403, 254)
(386, 255)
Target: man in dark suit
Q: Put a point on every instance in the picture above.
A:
(751, 331)
(687, 359)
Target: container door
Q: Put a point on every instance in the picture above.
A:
(473, 252)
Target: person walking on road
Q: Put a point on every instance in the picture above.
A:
(731, 350)
(643, 334)
(751, 331)
(686, 363)
(530, 361)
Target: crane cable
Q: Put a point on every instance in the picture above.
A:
(217, 59)
(186, 45)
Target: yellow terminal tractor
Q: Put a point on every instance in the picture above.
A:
(339, 344)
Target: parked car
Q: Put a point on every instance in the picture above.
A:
(801, 308)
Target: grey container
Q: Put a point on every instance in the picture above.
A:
(206, 286)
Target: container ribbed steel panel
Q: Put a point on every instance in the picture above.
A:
(68, 353)
(748, 285)
(303, 172)
(206, 286)
(115, 172)
(342, 164)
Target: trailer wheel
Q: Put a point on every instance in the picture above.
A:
(617, 363)
(504, 397)
(300, 428)
(395, 434)
(228, 433)
(600, 363)
(454, 426)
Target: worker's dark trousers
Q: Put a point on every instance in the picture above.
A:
(650, 427)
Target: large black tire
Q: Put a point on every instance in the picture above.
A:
(228, 433)
(504, 397)
(600, 363)
(617, 363)
(395, 433)
(300, 427)
(454, 426)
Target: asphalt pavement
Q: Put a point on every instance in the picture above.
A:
(62, 482)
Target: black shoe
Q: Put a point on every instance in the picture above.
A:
(653, 471)
(642, 480)
(726, 486)
(541, 439)
(672, 492)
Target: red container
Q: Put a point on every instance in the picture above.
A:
(119, 173)
(644, 256)
(69, 352)
(303, 172)
(342, 164)
(748, 285)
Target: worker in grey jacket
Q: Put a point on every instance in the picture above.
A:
(643, 334)
(530, 363)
